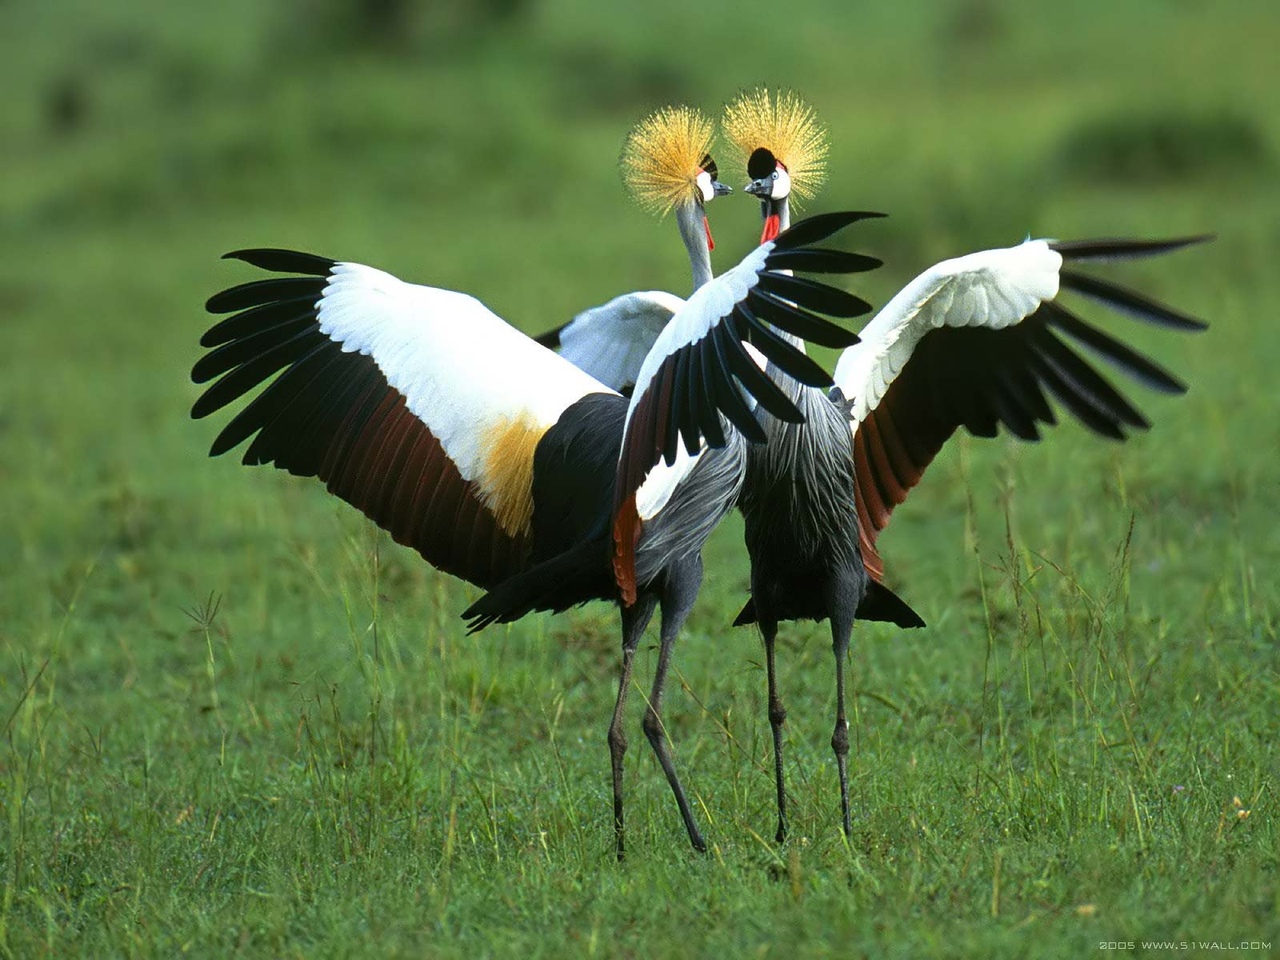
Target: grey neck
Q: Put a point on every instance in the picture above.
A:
(693, 231)
(782, 208)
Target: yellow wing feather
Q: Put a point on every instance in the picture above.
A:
(785, 125)
(663, 155)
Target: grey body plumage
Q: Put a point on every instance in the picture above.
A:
(798, 506)
(697, 506)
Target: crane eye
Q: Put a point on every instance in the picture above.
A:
(775, 174)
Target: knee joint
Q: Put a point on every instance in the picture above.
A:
(652, 725)
(840, 738)
(617, 739)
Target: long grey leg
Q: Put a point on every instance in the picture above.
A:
(683, 580)
(634, 619)
(841, 629)
(777, 717)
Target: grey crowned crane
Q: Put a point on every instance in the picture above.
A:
(610, 341)
(499, 461)
(666, 167)
(974, 342)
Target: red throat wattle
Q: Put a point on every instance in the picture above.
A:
(706, 225)
(772, 227)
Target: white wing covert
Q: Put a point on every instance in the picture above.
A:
(610, 342)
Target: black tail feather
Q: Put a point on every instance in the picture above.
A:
(564, 581)
(879, 603)
(882, 604)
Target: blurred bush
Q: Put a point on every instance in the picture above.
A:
(1164, 145)
(973, 22)
(596, 80)
(403, 25)
(67, 104)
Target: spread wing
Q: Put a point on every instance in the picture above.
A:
(416, 405)
(610, 342)
(983, 341)
(699, 366)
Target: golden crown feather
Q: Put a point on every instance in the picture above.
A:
(663, 155)
(782, 123)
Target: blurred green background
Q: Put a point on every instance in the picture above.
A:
(325, 766)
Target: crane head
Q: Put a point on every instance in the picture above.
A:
(781, 140)
(770, 179)
(666, 161)
(708, 181)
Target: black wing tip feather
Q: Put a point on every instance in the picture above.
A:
(819, 260)
(1120, 355)
(1124, 300)
(819, 227)
(813, 295)
(214, 305)
(258, 293)
(266, 333)
(788, 316)
(1124, 248)
(793, 362)
(280, 260)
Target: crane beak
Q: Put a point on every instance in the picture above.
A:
(721, 189)
(762, 188)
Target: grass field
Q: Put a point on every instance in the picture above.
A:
(238, 721)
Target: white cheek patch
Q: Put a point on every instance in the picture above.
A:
(781, 183)
(706, 186)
